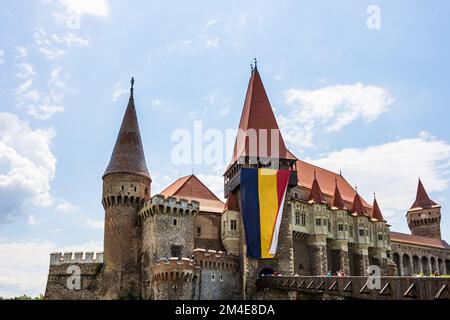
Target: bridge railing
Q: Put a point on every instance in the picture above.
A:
(372, 288)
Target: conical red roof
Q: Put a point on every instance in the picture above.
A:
(358, 206)
(422, 199)
(128, 153)
(316, 194)
(337, 199)
(257, 115)
(376, 212)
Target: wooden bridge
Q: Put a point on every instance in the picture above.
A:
(390, 288)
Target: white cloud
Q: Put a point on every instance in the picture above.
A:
(24, 265)
(22, 52)
(211, 22)
(32, 221)
(53, 46)
(2, 55)
(99, 8)
(65, 207)
(119, 90)
(40, 104)
(26, 166)
(212, 42)
(94, 224)
(392, 170)
(224, 112)
(156, 103)
(330, 109)
(26, 71)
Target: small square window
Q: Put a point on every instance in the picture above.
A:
(199, 231)
(233, 225)
(174, 222)
(318, 222)
(175, 252)
(340, 227)
(380, 237)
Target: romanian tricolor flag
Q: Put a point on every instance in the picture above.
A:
(262, 200)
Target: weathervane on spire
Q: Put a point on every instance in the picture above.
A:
(256, 62)
(132, 85)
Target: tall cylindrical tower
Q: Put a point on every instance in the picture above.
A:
(126, 188)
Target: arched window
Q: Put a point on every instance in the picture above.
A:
(297, 217)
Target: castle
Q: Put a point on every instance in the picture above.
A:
(185, 243)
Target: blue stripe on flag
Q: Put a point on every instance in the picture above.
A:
(250, 211)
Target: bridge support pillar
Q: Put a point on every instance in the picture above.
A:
(379, 256)
(317, 247)
(361, 256)
(339, 250)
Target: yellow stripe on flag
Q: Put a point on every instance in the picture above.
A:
(268, 207)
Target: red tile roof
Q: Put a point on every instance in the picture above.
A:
(257, 114)
(423, 201)
(327, 181)
(191, 188)
(128, 153)
(418, 240)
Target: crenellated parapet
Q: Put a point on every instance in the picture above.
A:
(174, 269)
(171, 205)
(215, 260)
(58, 258)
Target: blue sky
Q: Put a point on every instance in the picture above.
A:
(372, 102)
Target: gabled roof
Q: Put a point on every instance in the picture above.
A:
(128, 154)
(337, 203)
(418, 240)
(423, 201)
(358, 207)
(316, 195)
(327, 180)
(376, 212)
(191, 188)
(257, 114)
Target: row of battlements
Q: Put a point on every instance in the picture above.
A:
(170, 205)
(211, 259)
(174, 269)
(57, 258)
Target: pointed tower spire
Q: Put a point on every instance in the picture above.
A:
(257, 115)
(316, 194)
(337, 198)
(128, 153)
(422, 199)
(358, 206)
(376, 212)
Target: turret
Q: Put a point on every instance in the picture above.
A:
(424, 217)
(126, 187)
(230, 225)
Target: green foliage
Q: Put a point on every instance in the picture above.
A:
(98, 267)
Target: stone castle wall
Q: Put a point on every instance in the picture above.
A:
(62, 283)
(219, 275)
